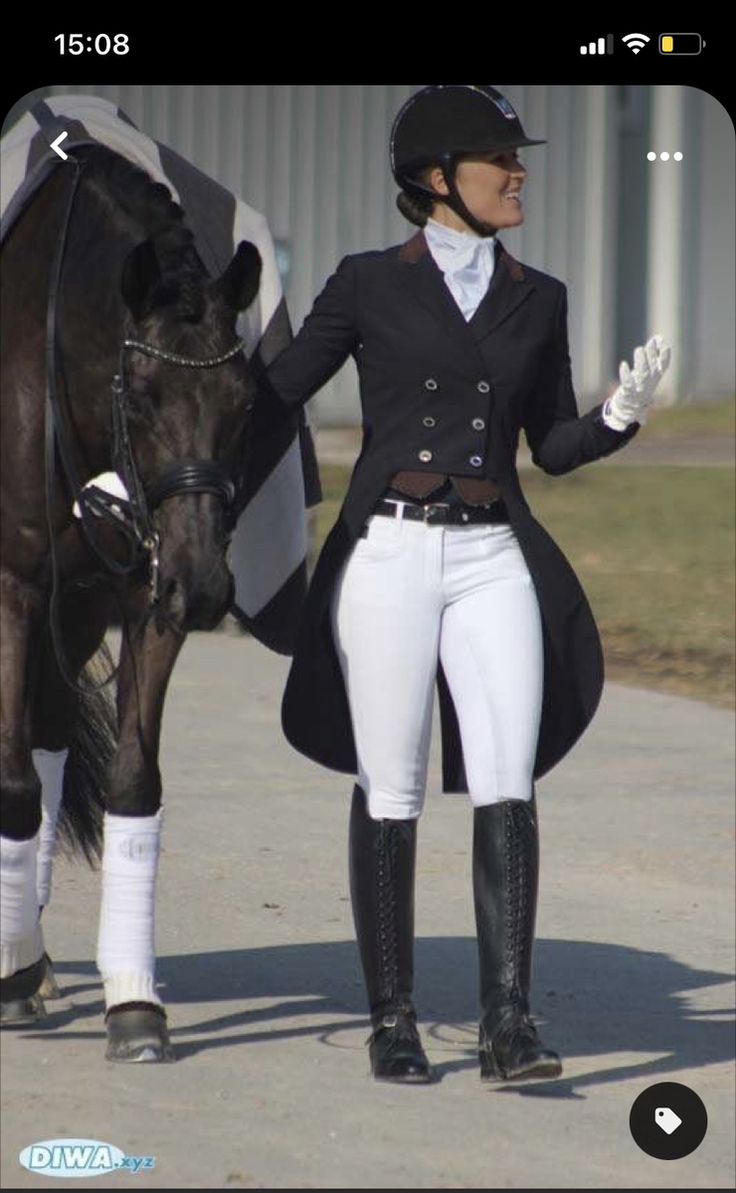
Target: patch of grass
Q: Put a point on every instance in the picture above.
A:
(654, 551)
(706, 418)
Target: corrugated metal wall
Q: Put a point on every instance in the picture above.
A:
(643, 247)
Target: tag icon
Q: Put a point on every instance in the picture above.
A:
(666, 1119)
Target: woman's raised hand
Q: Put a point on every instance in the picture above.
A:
(636, 392)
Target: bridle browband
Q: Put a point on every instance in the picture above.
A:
(134, 516)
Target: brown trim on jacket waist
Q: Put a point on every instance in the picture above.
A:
(474, 490)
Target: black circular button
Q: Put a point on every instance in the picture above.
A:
(478, 424)
(483, 387)
(429, 421)
(668, 1121)
(476, 461)
(425, 456)
(430, 383)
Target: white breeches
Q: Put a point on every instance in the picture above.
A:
(408, 594)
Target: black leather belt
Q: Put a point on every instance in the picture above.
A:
(440, 513)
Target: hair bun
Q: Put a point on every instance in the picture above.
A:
(414, 209)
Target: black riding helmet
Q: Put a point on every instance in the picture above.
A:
(441, 124)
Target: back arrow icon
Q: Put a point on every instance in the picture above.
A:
(55, 146)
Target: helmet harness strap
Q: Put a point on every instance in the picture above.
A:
(454, 199)
(449, 163)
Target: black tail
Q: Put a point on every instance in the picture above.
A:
(85, 774)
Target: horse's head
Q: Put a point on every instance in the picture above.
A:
(188, 411)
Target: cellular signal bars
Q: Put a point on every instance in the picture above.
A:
(604, 45)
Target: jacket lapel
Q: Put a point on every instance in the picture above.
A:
(423, 279)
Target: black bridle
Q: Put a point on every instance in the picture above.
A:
(185, 477)
(132, 516)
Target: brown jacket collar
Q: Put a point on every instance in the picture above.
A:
(415, 248)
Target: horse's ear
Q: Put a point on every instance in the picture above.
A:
(140, 277)
(239, 284)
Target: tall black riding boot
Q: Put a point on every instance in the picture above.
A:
(505, 881)
(382, 864)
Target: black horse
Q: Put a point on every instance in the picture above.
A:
(119, 354)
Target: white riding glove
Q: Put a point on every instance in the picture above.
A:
(635, 393)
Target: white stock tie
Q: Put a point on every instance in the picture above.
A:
(467, 262)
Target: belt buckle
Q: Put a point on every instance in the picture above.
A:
(433, 505)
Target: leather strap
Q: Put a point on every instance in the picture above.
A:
(442, 514)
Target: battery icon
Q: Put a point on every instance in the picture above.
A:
(680, 43)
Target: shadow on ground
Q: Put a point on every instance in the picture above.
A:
(589, 1000)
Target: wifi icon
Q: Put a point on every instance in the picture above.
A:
(636, 41)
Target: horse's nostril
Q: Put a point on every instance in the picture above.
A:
(201, 603)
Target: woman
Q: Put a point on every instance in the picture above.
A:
(436, 570)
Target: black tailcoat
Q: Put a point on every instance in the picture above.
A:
(444, 395)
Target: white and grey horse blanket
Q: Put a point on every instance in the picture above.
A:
(268, 552)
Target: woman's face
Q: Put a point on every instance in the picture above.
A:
(486, 182)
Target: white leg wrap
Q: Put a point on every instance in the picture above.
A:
(49, 766)
(21, 941)
(125, 948)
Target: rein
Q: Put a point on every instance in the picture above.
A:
(133, 517)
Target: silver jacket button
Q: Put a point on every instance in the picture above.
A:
(476, 461)
(430, 383)
(478, 424)
(483, 387)
(429, 421)
(425, 456)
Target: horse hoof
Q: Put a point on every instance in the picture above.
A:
(22, 1010)
(23, 983)
(136, 1033)
(49, 987)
